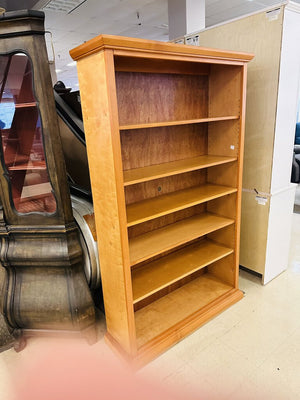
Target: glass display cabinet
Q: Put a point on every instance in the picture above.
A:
(44, 285)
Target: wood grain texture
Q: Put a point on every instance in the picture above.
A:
(224, 174)
(168, 219)
(146, 147)
(153, 243)
(140, 64)
(102, 42)
(178, 122)
(158, 206)
(224, 84)
(163, 186)
(150, 98)
(223, 138)
(186, 326)
(224, 270)
(173, 168)
(156, 275)
(166, 312)
(103, 148)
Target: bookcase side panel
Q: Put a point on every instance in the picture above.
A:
(99, 107)
(240, 166)
(224, 90)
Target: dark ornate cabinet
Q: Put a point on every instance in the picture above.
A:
(44, 286)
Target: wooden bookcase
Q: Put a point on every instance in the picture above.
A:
(164, 129)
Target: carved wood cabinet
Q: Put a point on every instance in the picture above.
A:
(164, 127)
(45, 287)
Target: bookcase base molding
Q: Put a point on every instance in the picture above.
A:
(164, 130)
(178, 332)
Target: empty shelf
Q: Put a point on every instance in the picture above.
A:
(174, 123)
(152, 243)
(165, 204)
(161, 273)
(172, 168)
(166, 312)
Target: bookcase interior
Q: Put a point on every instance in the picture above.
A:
(179, 135)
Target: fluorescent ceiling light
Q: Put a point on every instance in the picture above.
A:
(71, 64)
(65, 6)
(58, 70)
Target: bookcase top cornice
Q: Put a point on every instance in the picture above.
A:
(134, 45)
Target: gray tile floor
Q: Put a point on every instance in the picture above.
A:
(250, 351)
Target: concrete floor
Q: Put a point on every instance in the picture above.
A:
(250, 351)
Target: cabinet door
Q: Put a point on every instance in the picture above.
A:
(23, 155)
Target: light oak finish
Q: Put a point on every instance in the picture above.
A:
(160, 315)
(172, 123)
(164, 128)
(173, 168)
(171, 268)
(168, 203)
(171, 236)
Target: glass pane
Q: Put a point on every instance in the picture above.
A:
(22, 141)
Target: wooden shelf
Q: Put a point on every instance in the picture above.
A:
(174, 123)
(25, 105)
(168, 203)
(151, 172)
(152, 243)
(161, 273)
(27, 166)
(164, 313)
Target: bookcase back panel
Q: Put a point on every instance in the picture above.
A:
(224, 206)
(157, 223)
(223, 138)
(148, 97)
(159, 187)
(225, 90)
(143, 147)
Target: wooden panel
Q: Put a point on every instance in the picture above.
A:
(135, 45)
(163, 186)
(150, 244)
(103, 148)
(224, 84)
(159, 145)
(225, 236)
(171, 309)
(145, 98)
(173, 168)
(139, 64)
(165, 204)
(178, 122)
(169, 289)
(254, 231)
(158, 274)
(165, 220)
(223, 138)
(224, 174)
(224, 206)
(224, 270)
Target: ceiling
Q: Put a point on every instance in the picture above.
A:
(137, 18)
